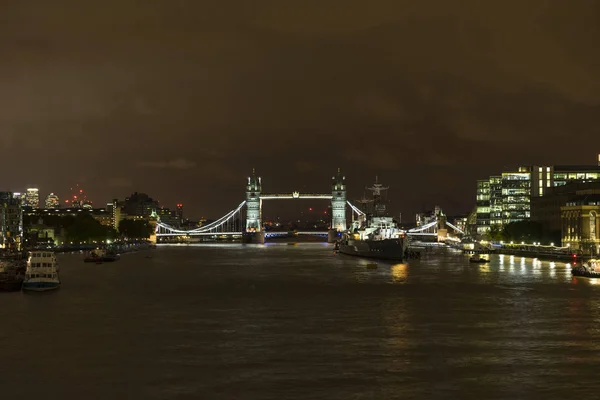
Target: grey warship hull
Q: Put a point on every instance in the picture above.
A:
(387, 249)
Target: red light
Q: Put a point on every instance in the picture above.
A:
(310, 209)
(574, 255)
(324, 212)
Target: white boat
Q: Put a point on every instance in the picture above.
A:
(42, 272)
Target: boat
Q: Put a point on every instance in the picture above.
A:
(10, 278)
(42, 272)
(371, 266)
(377, 235)
(589, 269)
(478, 259)
(99, 256)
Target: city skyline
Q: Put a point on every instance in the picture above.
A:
(183, 107)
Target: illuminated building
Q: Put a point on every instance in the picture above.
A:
(52, 201)
(483, 206)
(580, 219)
(114, 209)
(169, 217)
(11, 222)
(507, 198)
(32, 198)
(495, 200)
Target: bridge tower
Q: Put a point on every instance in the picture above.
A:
(338, 205)
(254, 233)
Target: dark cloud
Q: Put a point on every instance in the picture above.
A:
(429, 95)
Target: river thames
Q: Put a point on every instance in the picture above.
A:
(299, 322)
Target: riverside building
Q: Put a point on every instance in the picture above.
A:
(506, 198)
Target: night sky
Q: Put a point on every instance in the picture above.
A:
(181, 99)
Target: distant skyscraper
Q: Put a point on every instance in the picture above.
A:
(180, 213)
(78, 199)
(32, 198)
(19, 197)
(52, 201)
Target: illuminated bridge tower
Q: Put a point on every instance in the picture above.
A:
(253, 232)
(338, 206)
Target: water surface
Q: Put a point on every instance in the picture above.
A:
(298, 322)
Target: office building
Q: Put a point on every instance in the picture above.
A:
(52, 201)
(169, 217)
(506, 198)
(32, 198)
(11, 222)
(483, 206)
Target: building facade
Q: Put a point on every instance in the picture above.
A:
(483, 206)
(169, 217)
(11, 222)
(32, 198)
(507, 198)
(52, 201)
(140, 204)
(545, 209)
(581, 224)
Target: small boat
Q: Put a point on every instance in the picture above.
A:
(291, 243)
(99, 256)
(478, 259)
(42, 272)
(588, 269)
(372, 266)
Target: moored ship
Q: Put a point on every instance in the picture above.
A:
(590, 269)
(100, 256)
(378, 236)
(42, 272)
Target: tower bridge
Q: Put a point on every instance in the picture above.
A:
(250, 228)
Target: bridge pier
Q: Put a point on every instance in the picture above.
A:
(253, 237)
(332, 236)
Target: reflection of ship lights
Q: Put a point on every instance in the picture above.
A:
(399, 272)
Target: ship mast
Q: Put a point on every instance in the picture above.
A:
(377, 189)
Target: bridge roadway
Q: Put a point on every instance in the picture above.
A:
(267, 233)
(296, 195)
